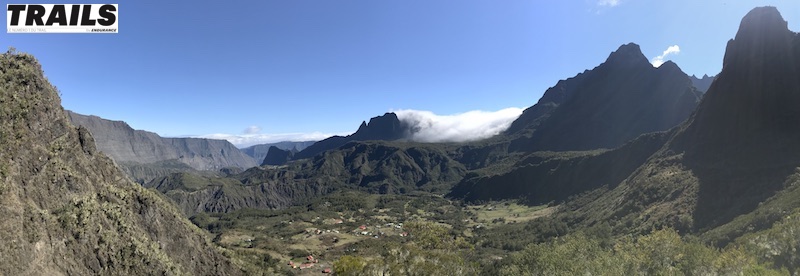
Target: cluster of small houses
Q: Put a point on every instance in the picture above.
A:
(362, 230)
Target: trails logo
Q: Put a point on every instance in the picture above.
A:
(62, 18)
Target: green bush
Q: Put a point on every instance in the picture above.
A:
(349, 265)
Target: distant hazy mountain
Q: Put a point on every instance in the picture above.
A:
(702, 84)
(258, 152)
(67, 209)
(607, 106)
(146, 155)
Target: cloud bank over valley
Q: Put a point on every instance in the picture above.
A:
(468, 126)
(424, 126)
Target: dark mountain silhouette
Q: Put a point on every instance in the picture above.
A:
(258, 152)
(607, 106)
(702, 84)
(386, 127)
(145, 155)
(276, 156)
(67, 209)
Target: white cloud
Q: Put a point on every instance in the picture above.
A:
(252, 130)
(469, 126)
(246, 140)
(658, 60)
(608, 3)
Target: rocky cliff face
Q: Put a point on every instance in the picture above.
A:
(67, 210)
(137, 148)
(607, 106)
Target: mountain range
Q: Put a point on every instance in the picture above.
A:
(604, 107)
(652, 144)
(625, 147)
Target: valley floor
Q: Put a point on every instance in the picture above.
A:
(354, 233)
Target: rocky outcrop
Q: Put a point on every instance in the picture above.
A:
(67, 209)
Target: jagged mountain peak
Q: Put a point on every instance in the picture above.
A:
(384, 127)
(614, 102)
(621, 62)
(627, 55)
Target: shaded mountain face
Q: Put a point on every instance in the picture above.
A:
(607, 106)
(145, 155)
(67, 210)
(258, 152)
(752, 107)
(386, 128)
(702, 84)
(743, 142)
(532, 116)
(739, 150)
(546, 177)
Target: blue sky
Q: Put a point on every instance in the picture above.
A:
(297, 67)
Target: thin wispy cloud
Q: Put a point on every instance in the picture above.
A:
(608, 3)
(246, 140)
(252, 130)
(671, 50)
(469, 126)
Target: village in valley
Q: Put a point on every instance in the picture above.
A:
(310, 239)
